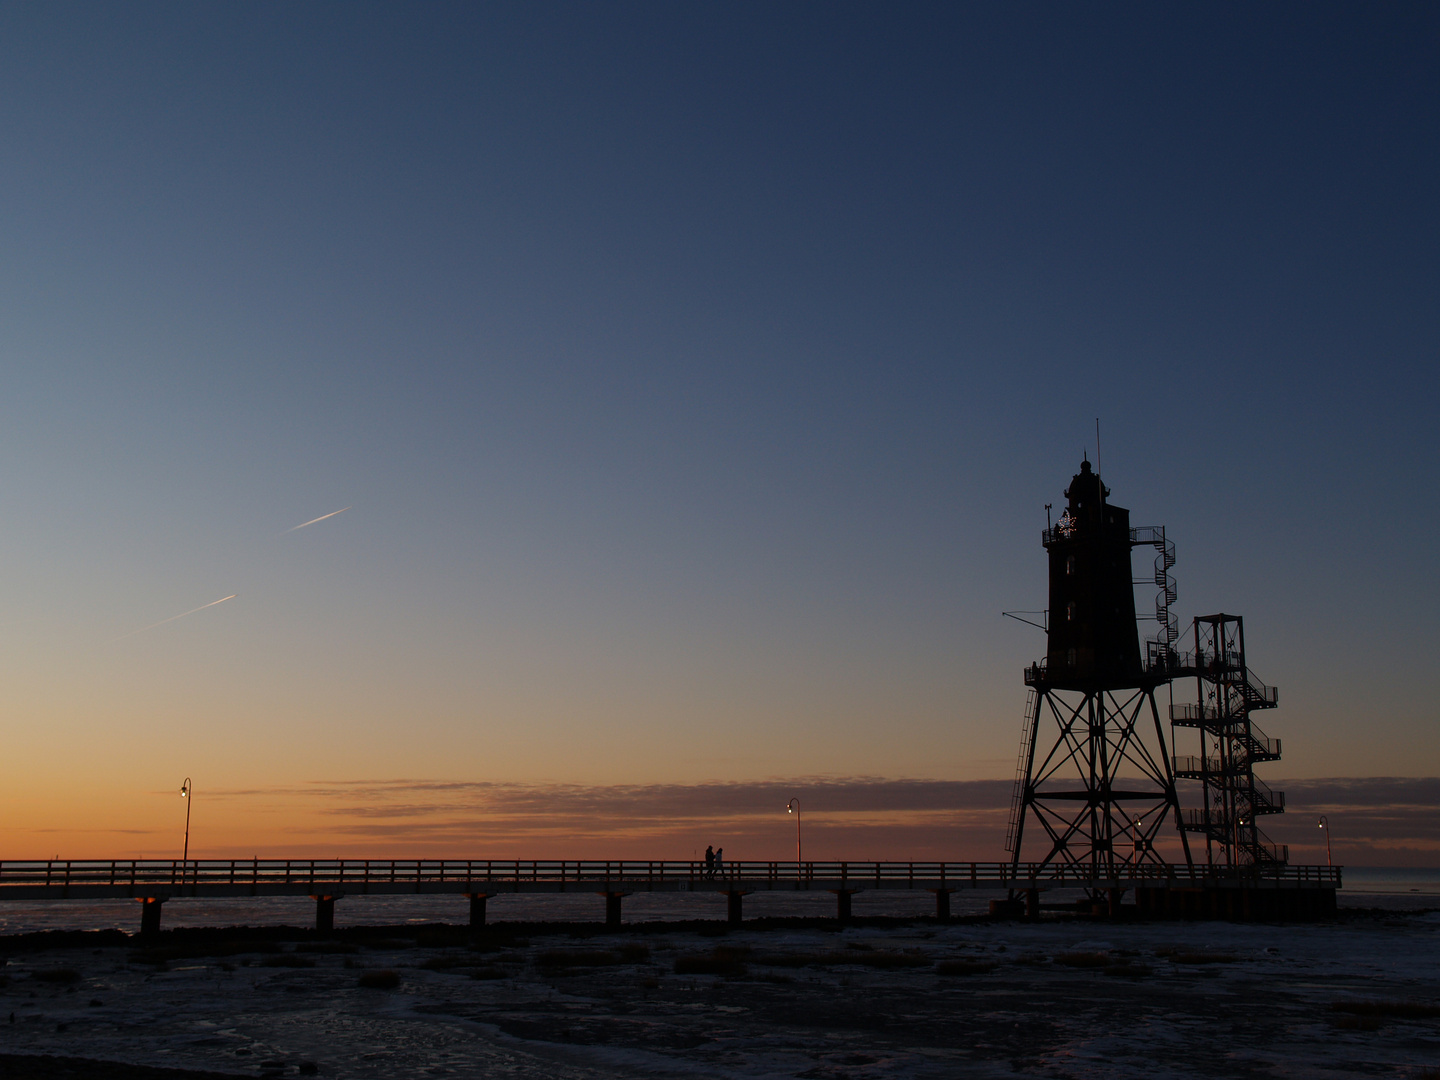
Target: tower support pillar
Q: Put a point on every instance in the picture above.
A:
(477, 909)
(324, 915)
(734, 906)
(150, 915)
(942, 904)
(612, 909)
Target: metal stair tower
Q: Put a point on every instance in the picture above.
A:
(1231, 743)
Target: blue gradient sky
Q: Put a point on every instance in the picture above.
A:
(697, 375)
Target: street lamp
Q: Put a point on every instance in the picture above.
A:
(187, 793)
(793, 807)
(1325, 824)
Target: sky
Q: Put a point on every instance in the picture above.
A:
(693, 379)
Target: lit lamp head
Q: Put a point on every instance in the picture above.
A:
(185, 789)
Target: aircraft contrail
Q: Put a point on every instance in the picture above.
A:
(322, 517)
(172, 618)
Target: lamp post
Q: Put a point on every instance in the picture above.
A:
(187, 793)
(793, 807)
(1325, 824)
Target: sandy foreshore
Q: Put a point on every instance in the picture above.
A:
(1359, 996)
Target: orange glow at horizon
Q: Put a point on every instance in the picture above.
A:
(854, 820)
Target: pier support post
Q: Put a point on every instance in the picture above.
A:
(734, 907)
(150, 915)
(477, 909)
(612, 910)
(1032, 903)
(942, 904)
(324, 915)
(1114, 898)
(842, 904)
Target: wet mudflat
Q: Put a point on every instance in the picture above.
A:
(785, 998)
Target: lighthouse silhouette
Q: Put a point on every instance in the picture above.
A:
(1093, 639)
(1094, 785)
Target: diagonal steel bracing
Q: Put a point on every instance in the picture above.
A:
(1098, 782)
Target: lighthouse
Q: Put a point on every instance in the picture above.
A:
(1094, 785)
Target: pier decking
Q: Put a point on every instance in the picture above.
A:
(1160, 888)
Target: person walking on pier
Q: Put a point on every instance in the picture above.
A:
(719, 870)
(709, 862)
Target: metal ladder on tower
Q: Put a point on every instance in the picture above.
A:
(1017, 795)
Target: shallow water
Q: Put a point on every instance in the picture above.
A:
(1067, 999)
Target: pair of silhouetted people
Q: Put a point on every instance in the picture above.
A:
(714, 861)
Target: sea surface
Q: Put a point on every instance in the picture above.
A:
(1066, 999)
(1395, 888)
(1405, 888)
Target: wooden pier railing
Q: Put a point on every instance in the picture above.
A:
(98, 879)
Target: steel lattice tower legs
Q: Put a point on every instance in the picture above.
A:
(1097, 781)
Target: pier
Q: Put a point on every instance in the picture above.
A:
(1160, 890)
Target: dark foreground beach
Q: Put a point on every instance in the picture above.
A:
(1359, 996)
